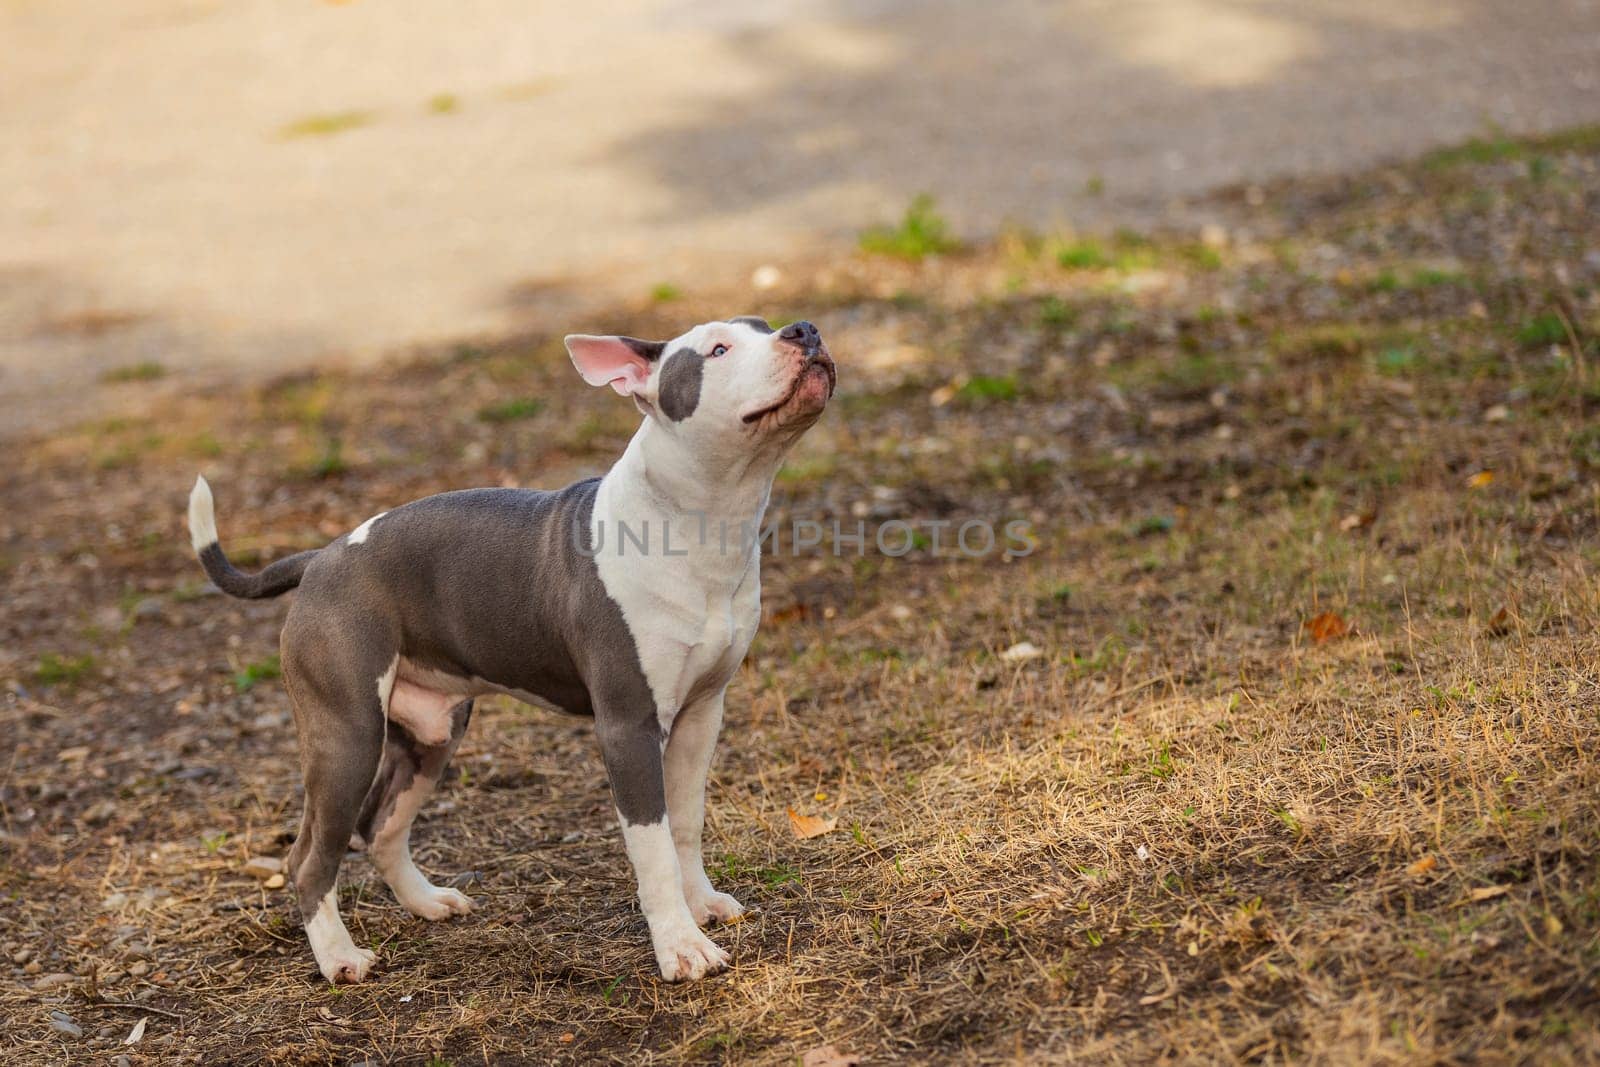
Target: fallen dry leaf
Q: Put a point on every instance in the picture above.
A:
(1480, 480)
(829, 1056)
(792, 613)
(1357, 520)
(809, 826)
(1487, 892)
(137, 1034)
(1499, 624)
(1326, 627)
(1422, 866)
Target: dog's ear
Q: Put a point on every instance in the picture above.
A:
(620, 362)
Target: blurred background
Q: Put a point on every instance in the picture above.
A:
(206, 190)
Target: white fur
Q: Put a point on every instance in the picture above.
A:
(426, 714)
(692, 610)
(202, 516)
(358, 536)
(337, 956)
(391, 854)
(693, 604)
(386, 684)
(682, 951)
(688, 762)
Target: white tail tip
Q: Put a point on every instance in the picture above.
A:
(202, 516)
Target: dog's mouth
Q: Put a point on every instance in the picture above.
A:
(821, 363)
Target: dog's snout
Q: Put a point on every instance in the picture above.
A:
(801, 333)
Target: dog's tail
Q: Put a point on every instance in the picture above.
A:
(273, 580)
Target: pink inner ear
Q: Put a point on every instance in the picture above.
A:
(608, 361)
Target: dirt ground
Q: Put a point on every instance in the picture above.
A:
(1280, 747)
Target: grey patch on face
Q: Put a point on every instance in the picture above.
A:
(648, 350)
(679, 392)
(755, 322)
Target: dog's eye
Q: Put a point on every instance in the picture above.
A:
(720, 350)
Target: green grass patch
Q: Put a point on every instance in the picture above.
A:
(1419, 278)
(1497, 147)
(1056, 314)
(922, 232)
(804, 470)
(444, 104)
(1083, 255)
(328, 462)
(1585, 447)
(1397, 360)
(326, 125)
(665, 292)
(145, 371)
(204, 445)
(1542, 330)
(53, 669)
(983, 388)
(513, 410)
(247, 676)
(1201, 256)
(1126, 251)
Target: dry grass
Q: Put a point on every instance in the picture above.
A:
(1186, 831)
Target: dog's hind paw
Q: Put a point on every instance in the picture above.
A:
(436, 903)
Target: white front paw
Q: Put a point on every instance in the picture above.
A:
(684, 953)
(706, 905)
(436, 902)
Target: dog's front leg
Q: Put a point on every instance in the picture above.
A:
(631, 743)
(689, 749)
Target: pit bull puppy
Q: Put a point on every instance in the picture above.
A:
(631, 598)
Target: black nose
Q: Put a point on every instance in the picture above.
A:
(801, 333)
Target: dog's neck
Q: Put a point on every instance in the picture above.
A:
(663, 480)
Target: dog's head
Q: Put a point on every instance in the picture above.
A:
(721, 385)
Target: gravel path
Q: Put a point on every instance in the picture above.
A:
(242, 188)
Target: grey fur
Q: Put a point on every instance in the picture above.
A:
(650, 350)
(275, 579)
(405, 759)
(755, 322)
(432, 582)
(681, 376)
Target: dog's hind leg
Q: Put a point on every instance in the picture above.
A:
(411, 770)
(334, 681)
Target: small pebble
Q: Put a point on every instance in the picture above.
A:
(62, 1023)
(51, 981)
(21, 956)
(140, 969)
(263, 867)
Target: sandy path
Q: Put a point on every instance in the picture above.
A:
(502, 161)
